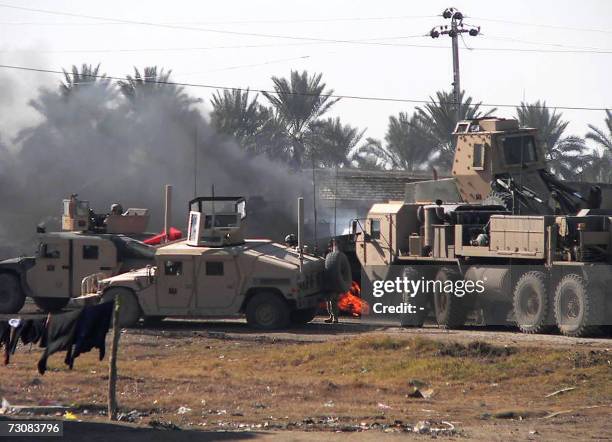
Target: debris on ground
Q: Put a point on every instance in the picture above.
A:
(163, 425)
(421, 394)
(563, 390)
(132, 416)
(183, 410)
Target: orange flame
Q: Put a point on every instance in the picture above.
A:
(351, 302)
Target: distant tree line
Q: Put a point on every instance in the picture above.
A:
(291, 125)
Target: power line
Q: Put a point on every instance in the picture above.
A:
(542, 25)
(558, 45)
(190, 28)
(232, 22)
(348, 97)
(287, 37)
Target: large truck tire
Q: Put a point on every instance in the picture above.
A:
(419, 300)
(12, 297)
(451, 311)
(531, 303)
(579, 309)
(338, 276)
(51, 305)
(129, 307)
(267, 311)
(303, 316)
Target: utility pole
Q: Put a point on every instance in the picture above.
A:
(456, 28)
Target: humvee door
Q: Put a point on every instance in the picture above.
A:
(175, 285)
(91, 255)
(50, 276)
(217, 281)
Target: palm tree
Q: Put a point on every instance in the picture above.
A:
(154, 83)
(565, 155)
(87, 76)
(298, 103)
(598, 167)
(253, 126)
(599, 136)
(331, 143)
(404, 149)
(435, 122)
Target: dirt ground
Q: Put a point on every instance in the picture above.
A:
(205, 380)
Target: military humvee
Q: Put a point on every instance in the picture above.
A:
(215, 272)
(90, 243)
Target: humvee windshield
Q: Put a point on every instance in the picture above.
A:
(221, 220)
(519, 150)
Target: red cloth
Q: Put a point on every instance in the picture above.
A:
(173, 235)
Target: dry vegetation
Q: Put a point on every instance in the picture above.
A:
(261, 383)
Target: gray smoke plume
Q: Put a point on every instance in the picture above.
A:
(108, 148)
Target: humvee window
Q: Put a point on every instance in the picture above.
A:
(519, 150)
(375, 228)
(90, 252)
(220, 220)
(173, 268)
(214, 268)
(478, 156)
(49, 251)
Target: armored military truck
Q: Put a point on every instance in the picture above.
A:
(90, 243)
(216, 272)
(498, 162)
(542, 252)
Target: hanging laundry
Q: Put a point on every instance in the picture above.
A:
(14, 326)
(59, 335)
(29, 331)
(91, 330)
(5, 338)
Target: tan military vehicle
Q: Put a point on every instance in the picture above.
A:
(215, 272)
(90, 243)
(539, 270)
(498, 162)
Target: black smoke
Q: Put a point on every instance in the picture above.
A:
(106, 147)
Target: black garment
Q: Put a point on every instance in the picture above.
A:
(29, 331)
(91, 330)
(58, 336)
(5, 338)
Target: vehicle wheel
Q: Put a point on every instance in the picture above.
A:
(578, 308)
(51, 305)
(129, 309)
(12, 297)
(303, 316)
(451, 311)
(531, 304)
(338, 274)
(267, 311)
(419, 300)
